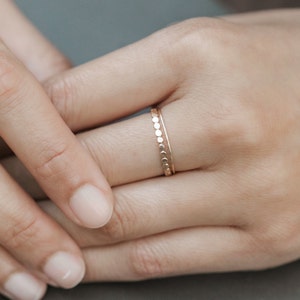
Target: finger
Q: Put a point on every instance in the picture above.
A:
(208, 199)
(23, 226)
(30, 125)
(28, 44)
(17, 283)
(128, 151)
(117, 84)
(186, 251)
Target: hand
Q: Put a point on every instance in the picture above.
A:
(230, 95)
(35, 249)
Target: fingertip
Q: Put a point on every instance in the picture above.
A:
(25, 287)
(92, 208)
(65, 270)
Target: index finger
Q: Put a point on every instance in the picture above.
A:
(117, 84)
(33, 129)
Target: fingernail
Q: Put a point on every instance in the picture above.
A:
(65, 269)
(23, 286)
(90, 206)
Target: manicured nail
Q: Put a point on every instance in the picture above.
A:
(90, 206)
(65, 269)
(23, 286)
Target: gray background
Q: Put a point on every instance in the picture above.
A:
(85, 29)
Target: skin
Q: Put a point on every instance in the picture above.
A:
(230, 93)
(50, 152)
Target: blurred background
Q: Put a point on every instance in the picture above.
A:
(86, 29)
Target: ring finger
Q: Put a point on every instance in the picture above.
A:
(128, 151)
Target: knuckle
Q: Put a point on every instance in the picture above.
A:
(279, 243)
(60, 92)
(186, 40)
(53, 161)
(188, 30)
(209, 36)
(114, 230)
(9, 78)
(146, 260)
(274, 180)
(55, 63)
(23, 232)
(225, 125)
(231, 125)
(121, 226)
(59, 62)
(222, 126)
(102, 148)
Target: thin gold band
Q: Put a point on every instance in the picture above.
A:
(165, 151)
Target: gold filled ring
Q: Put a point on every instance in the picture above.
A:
(165, 151)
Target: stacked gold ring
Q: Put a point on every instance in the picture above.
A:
(162, 139)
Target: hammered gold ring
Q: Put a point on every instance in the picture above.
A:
(165, 151)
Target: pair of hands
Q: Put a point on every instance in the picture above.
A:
(230, 94)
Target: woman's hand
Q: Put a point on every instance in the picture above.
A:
(230, 94)
(35, 249)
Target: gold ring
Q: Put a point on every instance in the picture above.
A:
(165, 151)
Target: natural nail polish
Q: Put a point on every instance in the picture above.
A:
(65, 269)
(90, 206)
(24, 286)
